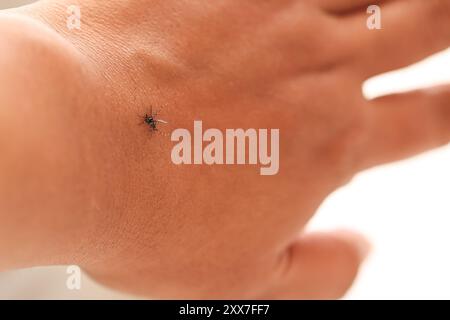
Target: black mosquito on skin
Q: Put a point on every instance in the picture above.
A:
(152, 121)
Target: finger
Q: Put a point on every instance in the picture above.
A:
(403, 125)
(343, 6)
(320, 266)
(411, 31)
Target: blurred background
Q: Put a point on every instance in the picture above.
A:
(403, 208)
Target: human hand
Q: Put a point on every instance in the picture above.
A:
(150, 227)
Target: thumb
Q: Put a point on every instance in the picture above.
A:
(320, 266)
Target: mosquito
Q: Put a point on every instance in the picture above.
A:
(151, 120)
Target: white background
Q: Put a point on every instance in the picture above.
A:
(403, 208)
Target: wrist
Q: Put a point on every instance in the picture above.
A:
(39, 166)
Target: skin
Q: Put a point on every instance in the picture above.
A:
(83, 182)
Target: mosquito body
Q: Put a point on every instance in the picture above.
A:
(152, 121)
